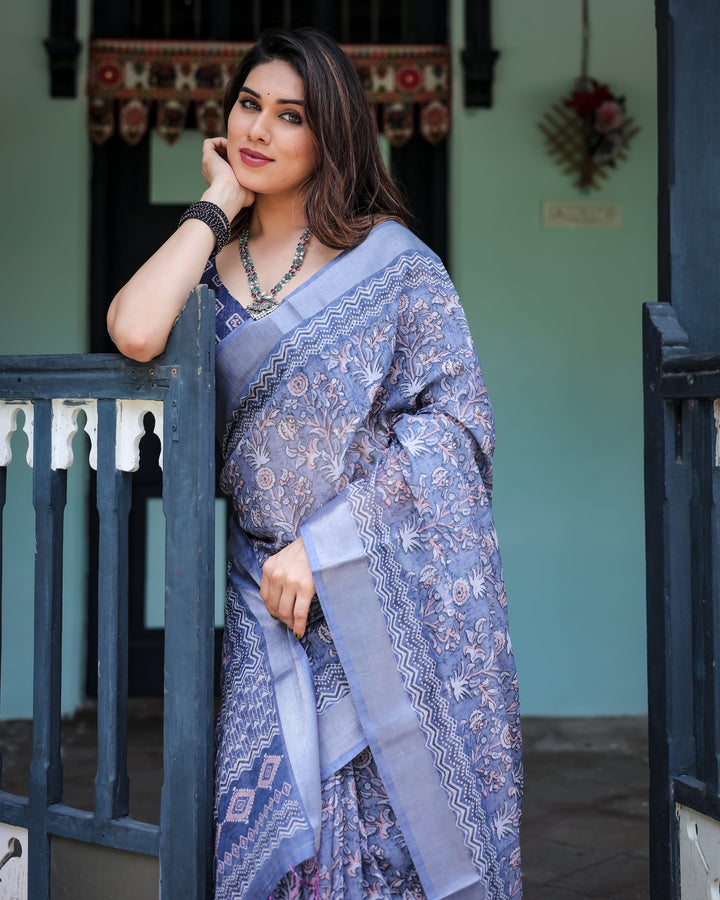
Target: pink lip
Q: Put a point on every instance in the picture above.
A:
(253, 158)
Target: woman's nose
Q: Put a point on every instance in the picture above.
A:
(258, 130)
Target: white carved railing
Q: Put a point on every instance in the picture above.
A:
(129, 430)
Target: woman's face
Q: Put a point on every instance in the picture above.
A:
(270, 147)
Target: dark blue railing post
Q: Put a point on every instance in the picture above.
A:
(188, 502)
(49, 498)
(113, 504)
(669, 723)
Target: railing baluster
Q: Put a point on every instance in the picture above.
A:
(49, 498)
(113, 503)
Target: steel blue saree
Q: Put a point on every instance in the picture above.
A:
(380, 755)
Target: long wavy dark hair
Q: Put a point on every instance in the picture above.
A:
(350, 189)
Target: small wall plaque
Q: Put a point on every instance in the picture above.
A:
(561, 214)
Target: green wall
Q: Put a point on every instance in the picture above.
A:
(556, 316)
(44, 157)
(555, 313)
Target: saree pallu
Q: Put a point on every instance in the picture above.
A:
(355, 416)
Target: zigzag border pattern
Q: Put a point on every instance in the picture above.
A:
(281, 817)
(329, 680)
(330, 687)
(286, 819)
(247, 659)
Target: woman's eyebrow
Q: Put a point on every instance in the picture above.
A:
(255, 94)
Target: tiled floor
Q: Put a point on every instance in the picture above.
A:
(585, 826)
(585, 821)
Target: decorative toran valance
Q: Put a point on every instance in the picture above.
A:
(409, 83)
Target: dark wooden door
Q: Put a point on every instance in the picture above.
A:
(127, 227)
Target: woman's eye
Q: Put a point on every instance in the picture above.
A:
(292, 117)
(248, 103)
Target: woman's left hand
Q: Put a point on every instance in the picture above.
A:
(287, 586)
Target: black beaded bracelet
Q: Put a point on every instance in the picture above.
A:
(214, 218)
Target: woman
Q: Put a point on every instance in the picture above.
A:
(368, 743)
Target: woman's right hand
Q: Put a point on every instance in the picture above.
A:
(223, 187)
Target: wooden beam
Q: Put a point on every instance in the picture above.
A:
(478, 57)
(63, 48)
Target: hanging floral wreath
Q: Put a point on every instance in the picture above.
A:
(603, 118)
(588, 133)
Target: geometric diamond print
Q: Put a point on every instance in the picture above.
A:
(268, 770)
(240, 805)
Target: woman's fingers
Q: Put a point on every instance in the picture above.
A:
(226, 190)
(300, 614)
(214, 158)
(286, 598)
(293, 608)
(287, 586)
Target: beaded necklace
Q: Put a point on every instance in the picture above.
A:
(264, 302)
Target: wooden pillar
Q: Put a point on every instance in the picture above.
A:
(681, 544)
(689, 165)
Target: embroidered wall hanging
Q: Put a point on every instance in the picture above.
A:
(411, 84)
(588, 132)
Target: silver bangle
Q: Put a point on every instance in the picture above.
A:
(214, 218)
